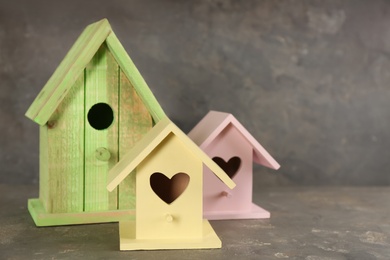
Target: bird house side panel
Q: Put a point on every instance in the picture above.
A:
(134, 122)
(62, 144)
(171, 207)
(44, 186)
(101, 129)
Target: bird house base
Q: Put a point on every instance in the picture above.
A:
(43, 218)
(128, 240)
(256, 212)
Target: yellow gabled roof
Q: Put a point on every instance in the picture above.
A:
(149, 142)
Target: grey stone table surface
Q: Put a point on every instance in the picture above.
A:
(306, 223)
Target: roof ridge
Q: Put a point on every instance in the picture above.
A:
(205, 138)
(149, 142)
(75, 61)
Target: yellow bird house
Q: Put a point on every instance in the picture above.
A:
(169, 180)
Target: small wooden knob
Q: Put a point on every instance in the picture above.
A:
(102, 154)
(169, 218)
(51, 124)
(226, 194)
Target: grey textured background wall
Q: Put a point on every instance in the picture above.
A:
(309, 79)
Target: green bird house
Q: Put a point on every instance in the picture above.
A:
(92, 110)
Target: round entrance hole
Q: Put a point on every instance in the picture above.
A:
(100, 116)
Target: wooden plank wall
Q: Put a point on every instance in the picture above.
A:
(72, 178)
(101, 86)
(134, 122)
(62, 154)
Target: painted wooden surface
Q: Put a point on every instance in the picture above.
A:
(148, 143)
(170, 158)
(128, 240)
(63, 171)
(135, 78)
(216, 197)
(169, 216)
(73, 65)
(68, 71)
(134, 122)
(44, 185)
(101, 86)
(221, 135)
(75, 155)
(43, 219)
(214, 122)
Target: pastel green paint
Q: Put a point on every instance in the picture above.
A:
(76, 152)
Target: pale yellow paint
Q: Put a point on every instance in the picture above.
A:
(166, 149)
(129, 242)
(170, 157)
(146, 145)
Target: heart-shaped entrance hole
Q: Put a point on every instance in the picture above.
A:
(230, 167)
(169, 189)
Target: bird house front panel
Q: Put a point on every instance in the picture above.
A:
(233, 153)
(93, 109)
(169, 193)
(101, 129)
(129, 119)
(99, 120)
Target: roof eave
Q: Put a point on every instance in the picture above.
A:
(148, 143)
(261, 155)
(68, 71)
(138, 153)
(221, 120)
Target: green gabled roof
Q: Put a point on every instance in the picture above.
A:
(73, 65)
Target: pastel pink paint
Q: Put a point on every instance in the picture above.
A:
(219, 134)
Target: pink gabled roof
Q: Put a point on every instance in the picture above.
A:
(215, 122)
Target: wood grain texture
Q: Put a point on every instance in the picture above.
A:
(68, 71)
(134, 76)
(101, 86)
(76, 155)
(63, 170)
(134, 122)
(44, 185)
(137, 154)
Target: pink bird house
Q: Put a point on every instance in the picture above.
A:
(234, 149)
